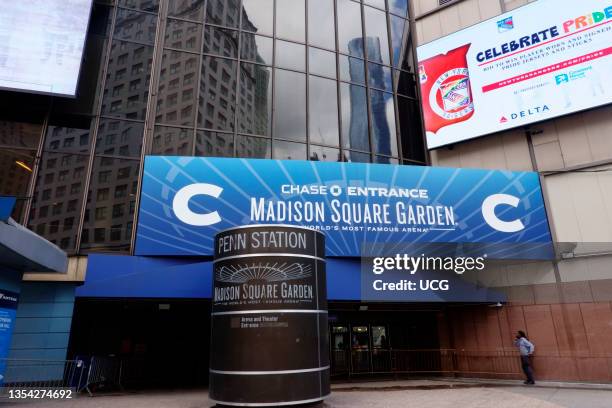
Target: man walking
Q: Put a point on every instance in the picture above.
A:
(526, 349)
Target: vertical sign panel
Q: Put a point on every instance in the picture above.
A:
(269, 317)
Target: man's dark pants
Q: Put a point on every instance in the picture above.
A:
(526, 364)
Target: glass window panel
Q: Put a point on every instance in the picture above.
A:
(405, 83)
(289, 150)
(291, 19)
(58, 196)
(321, 23)
(99, 23)
(18, 213)
(220, 41)
(16, 168)
(290, 55)
(223, 12)
(322, 62)
(376, 3)
(176, 95)
(135, 26)
(399, 7)
(352, 69)
(358, 157)
(214, 144)
(379, 337)
(257, 16)
(354, 117)
(323, 115)
(170, 141)
(350, 40)
(377, 42)
(379, 76)
(256, 48)
(255, 100)
(253, 147)
(322, 153)
(146, 5)
(73, 138)
(216, 105)
(290, 105)
(411, 132)
(112, 196)
(190, 10)
(183, 35)
(19, 134)
(383, 123)
(129, 62)
(119, 138)
(386, 160)
(400, 41)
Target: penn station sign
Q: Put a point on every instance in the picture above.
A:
(269, 342)
(185, 201)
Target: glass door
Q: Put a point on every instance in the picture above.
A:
(381, 351)
(360, 349)
(339, 350)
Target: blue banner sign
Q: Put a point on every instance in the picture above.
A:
(185, 201)
(8, 311)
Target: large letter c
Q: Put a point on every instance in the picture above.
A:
(180, 204)
(488, 212)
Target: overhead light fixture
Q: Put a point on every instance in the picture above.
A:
(23, 165)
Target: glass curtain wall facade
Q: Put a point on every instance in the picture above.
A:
(286, 79)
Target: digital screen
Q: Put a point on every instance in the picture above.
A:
(41, 45)
(540, 61)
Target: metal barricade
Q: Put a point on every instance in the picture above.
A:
(104, 373)
(41, 374)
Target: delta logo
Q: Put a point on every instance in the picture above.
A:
(505, 24)
(525, 113)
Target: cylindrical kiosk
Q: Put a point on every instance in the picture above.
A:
(269, 341)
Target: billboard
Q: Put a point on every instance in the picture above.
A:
(185, 201)
(41, 45)
(543, 60)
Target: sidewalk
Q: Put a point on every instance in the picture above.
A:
(446, 383)
(425, 393)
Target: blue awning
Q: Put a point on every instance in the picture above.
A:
(122, 276)
(23, 250)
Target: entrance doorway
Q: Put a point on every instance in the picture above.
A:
(155, 343)
(381, 342)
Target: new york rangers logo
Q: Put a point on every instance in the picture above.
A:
(450, 97)
(447, 93)
(504, 25)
